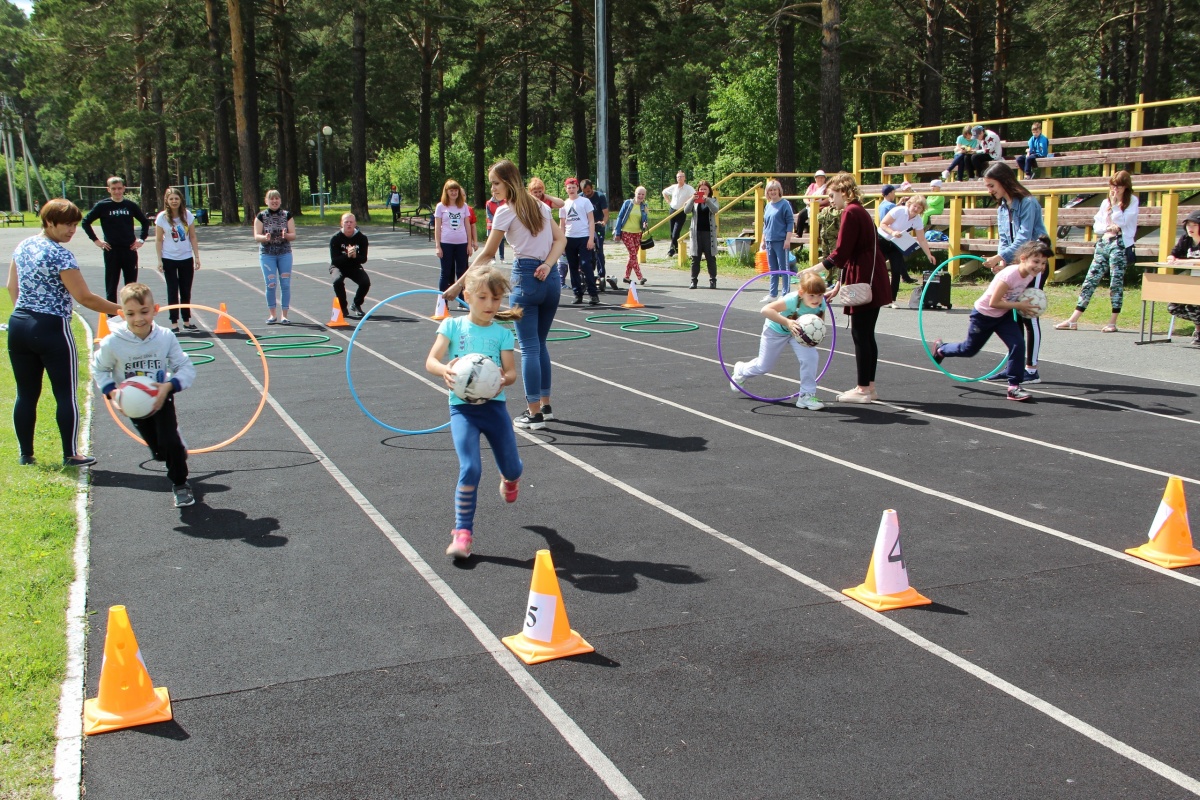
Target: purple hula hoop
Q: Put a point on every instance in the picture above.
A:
(721, 326)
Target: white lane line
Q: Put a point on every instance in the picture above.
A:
(68, 750)
(579, 741)
(1108, 551)
(1057, 714)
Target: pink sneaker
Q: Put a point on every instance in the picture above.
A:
(460, 544)
(508, 490)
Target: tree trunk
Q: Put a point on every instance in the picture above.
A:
(1163, 114)
(224, 172)
(145, 139)
(831, 85)
(977, 57)
(424, 134)
(242, 78)
(785, 103)
(678, 137)
(1133, 25)
(631, 147)
(523, 119)
(1003, 40)
(289, 152)
(477, 145)
(578, 113)
(162, 175)
(931, 75)
(359, 204)
(611, 182)
(441, 122)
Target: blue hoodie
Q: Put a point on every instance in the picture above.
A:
(1018, 223)
(1039, 146)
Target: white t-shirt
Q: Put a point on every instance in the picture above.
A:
(575, 213)
(526, 244)
(455, 220)
(903, 223)
(176, 244)
(1126, 220)
(679, 195)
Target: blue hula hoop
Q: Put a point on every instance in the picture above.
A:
(832, 324)
(350, 354)
(921, 326)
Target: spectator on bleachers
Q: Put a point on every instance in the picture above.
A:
(815, 189)
(1019, 220)
(964, 146)
(1115, 225)
(987, 150)
(903, 233)
(1187, 249)
(1039, 147)
(886, 204)
(935, 203)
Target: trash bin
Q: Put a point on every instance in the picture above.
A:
(739, 248)
(201, 216)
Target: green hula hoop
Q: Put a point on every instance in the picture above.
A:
(921, 327)
(319, 344)
(596, 318)
(683, 327)
(578, 335)
(190, 347)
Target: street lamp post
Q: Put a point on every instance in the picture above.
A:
(328, 131)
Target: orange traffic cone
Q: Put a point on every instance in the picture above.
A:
(223, 323)
(1170, 542)
(127, 696)
(102, 328)
(886, 587)
(440, 312)
(547, 634)
(336, 320)
(761, 264)
(631, 299)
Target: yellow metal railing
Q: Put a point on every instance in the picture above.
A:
(1137, 119)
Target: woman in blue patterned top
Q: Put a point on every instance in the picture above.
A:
(43, 277)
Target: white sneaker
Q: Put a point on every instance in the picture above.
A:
(945, 176)
(809, 402)
(737, 376)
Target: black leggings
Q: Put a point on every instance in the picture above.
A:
(119, 262)
(1033, 327)
(360, 278)
(704, 248)
(897, 262)
(40, 343)
(161, 432)
(866, 351)
(179, 276)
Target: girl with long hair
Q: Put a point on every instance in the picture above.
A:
(178, 254)
(537, 243)
(452, 233)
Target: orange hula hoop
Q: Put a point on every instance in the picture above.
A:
(261, 403)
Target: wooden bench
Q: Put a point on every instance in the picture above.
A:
(421, 219)
(1175, 151)
(1145, 181)
(1079, 217)
(12, 217)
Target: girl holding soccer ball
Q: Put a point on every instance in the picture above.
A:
(457, 337)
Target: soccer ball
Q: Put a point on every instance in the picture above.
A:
(135, 396)
(477, 378)
(1035, 296)
(811, 330)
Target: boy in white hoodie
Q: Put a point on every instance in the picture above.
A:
(137, 346)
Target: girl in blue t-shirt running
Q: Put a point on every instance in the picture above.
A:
(477, 333)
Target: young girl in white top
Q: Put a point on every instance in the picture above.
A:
(178, 254)
(453, 233)
(1115, 226)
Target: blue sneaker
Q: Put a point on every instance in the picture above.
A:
(1032, 376)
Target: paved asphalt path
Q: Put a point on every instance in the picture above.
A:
(318, 644)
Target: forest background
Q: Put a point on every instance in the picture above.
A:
(232, 93)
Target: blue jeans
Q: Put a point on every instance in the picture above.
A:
(579, 259)
(454, 264)
(539, 303)
(277, 271)
(599, 251)
(467, 422)
(981, 329)
(777, 259)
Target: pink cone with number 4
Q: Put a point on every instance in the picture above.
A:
(886, 587)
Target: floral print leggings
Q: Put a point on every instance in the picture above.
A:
(1109, 257)
(633, 243)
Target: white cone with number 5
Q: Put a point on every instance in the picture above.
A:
(886, 587)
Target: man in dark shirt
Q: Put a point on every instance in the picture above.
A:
(600, 211)
(347, 254)
(120, 245)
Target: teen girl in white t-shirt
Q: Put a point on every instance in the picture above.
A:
(178, 254)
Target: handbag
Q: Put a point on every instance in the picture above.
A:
(859, 294)
(647, 242)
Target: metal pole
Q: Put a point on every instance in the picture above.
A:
(187, 193)
(29, 201)
(320, 175)
(5, 142)
(602, 95)
(37, 172)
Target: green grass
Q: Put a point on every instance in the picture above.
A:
(37, 536)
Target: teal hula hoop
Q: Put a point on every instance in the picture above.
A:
(921, 327)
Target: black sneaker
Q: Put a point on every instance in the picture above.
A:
(692, 285)
(534, 422)
(27, 461)
(937, 351)
(357, 310)
(613, 283)
(624, 280)
(547, 413)
(712, 284)
(183, 495)
(578, 301)
(642, 282)
(595, 301)
(78, 461)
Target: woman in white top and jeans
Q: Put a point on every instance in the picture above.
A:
(537, 243)
(1115, 226)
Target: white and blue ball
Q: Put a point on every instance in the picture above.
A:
(809, 330)
(476, 378)
(1035, 296)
